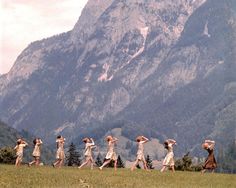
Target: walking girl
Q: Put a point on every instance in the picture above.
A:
(89, 145)
(36, 153)
(20, 144)
(169, 159)
(140, 153)
(210, 163)
(111, 155)
(60, 155)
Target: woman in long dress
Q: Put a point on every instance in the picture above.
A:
(89, 144)
(36, 153)
(140, 153)
(60, 155)
(111, 155)
(169, 158)
(210, 163)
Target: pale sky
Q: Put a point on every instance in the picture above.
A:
(25, 21)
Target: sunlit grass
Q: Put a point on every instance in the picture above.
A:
(73, 177)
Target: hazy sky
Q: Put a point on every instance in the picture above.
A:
(24, 21)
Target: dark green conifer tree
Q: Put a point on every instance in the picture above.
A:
(73, 157)
(120, 163)
(98, 161)
(138, 166)
(149, 162)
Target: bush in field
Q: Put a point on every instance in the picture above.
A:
(98, 161)
(138, 166)
(7, 155)
(197, 167)
(120, 163)
(149, 162)
(185, 164)
(73, 157)
(111, 164)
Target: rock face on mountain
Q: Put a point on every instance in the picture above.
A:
(162, 68)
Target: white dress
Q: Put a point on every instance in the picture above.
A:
(140, 152)
(110, 153)
(60, 150)
(169, 158)
(36, 152)
(19, 151)
(88, 150)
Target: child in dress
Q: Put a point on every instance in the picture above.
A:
(60, 155)
(169, 159)
(210, 163)
(36, 153)
(111, 155)
(140, 153)
(19, 151)
(89, 144)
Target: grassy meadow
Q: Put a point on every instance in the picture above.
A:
(72, 177)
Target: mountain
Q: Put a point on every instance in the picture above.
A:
(160, 68)
(9, 136)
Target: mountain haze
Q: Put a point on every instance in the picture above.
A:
(162, 68)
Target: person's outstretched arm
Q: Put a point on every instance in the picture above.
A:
(25, 143)
(211, 143)
(171, 141)
(145, 139)
(92, 142)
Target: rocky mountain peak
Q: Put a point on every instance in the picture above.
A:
(89, 16)
(118, 17)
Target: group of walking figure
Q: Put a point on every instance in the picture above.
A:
(168, 162)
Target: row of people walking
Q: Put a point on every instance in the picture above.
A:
(168, 162)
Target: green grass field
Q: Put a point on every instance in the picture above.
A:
(73, 177)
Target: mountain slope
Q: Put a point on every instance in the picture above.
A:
(159, 68)
(9, 136)
(193, 79)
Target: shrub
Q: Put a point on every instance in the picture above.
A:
(7, 155)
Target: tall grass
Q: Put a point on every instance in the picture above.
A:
(72, 177)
